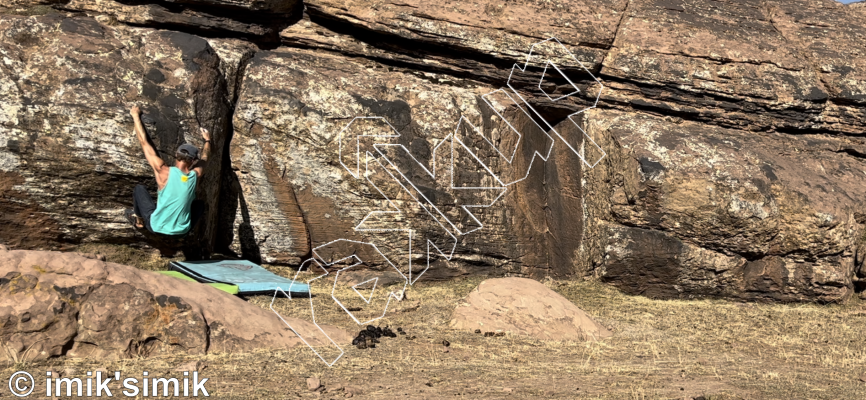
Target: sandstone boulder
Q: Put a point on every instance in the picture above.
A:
(689, 86)
(757, 65)
(827, 33)
(296, 193)
(526, 307)
(62, 304)
(731, 131)
(682, 209)
(68, 155)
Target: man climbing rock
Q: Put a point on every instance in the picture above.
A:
(174, 213)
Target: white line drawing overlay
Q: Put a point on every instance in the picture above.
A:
(469, 197)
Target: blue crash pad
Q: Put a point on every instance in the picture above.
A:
(249, 277)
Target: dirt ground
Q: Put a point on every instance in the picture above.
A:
(660, 350)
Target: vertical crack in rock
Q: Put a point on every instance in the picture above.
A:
(212, 111)
(234, 56)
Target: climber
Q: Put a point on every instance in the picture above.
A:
(175, 213)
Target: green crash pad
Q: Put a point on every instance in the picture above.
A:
(225, 287)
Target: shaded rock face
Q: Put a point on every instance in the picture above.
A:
(734, 164)
(62, 304)
(525, 307)
(254, 20)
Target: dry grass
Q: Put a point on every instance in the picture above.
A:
(147, 259)
(661, 350)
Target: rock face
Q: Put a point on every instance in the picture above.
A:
(525, 307)
(67, 145)
(62, 304)
(733, 164)
(255, 20)
(760, 216)
(478, 39)
(734, 67)
(289, 143)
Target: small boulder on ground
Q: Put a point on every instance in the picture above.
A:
(526, 307)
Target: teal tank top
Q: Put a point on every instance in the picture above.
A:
(172, 215)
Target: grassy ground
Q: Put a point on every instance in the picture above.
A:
(141, 258)
(660, 350)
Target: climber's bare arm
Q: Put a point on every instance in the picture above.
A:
(160, 170)
(202, 163)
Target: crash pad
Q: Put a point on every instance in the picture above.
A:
(249, 277)
(230, 289)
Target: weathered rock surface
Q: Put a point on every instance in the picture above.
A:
(724, 63)
(523, 306)
(68, 155)
(731, 131)
(830, 35)
(756, 65)
(288, 123)
(482, 40)
(256, 20)
(28, 3)
(62, 304)
(234, 55)
(696, 210)
(776, 67)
